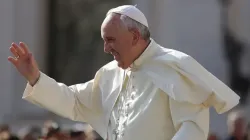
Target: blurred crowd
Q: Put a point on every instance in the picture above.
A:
(238, 129)
(50, 131)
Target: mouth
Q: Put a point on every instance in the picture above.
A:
(115, 54)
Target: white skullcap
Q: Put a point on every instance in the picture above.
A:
(132, 12)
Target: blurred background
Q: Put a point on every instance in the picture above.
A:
(64, 36)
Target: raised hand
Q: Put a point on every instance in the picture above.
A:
(24, 62)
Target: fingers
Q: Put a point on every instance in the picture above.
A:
(13, 51)
(12, 60)
(24, 47)
(18, 49)
(19, 53)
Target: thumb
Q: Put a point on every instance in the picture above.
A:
(12, 60)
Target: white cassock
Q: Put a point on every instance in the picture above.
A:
(165, 95)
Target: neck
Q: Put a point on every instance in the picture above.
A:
(136, 53)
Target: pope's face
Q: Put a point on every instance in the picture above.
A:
(118, 41)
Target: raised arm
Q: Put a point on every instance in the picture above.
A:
(78, 102)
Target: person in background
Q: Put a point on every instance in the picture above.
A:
(29, 133)
(248, 131)
(79, 131)
(212, 136)
(50, 127)
(5, 133)
(237, 125)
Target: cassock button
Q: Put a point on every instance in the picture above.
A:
(117, 124)
(126, 114)
(124, 125)
(122, 134)
(119, 110)
(133, 96)
(115, 131)
(128, 105)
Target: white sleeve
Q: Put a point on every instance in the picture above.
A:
(76, 102)
(190, 121)
(189, 131)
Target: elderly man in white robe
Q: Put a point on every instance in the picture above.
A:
(147, 93)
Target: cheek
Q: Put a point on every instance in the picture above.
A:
(123, 48)
(118, 47)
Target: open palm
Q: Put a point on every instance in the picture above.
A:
(24, 62)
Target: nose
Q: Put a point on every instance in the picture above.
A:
(107, 48)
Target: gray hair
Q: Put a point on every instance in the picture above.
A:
(132, 24)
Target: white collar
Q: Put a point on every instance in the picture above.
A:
(148, 53)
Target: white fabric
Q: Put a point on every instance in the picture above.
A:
(191, 90)
(137, 107)
(193, 129)
(132, 12)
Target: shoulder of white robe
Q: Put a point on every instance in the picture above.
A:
(223, 98)
(212, 92)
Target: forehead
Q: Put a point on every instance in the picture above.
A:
(111, 25)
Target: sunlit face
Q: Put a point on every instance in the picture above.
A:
(118, 40)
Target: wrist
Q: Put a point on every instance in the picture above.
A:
(33, 81)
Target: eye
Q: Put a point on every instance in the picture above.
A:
(110, 39)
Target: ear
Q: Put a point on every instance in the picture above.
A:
(135, 36)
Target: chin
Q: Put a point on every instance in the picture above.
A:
(121, 65)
